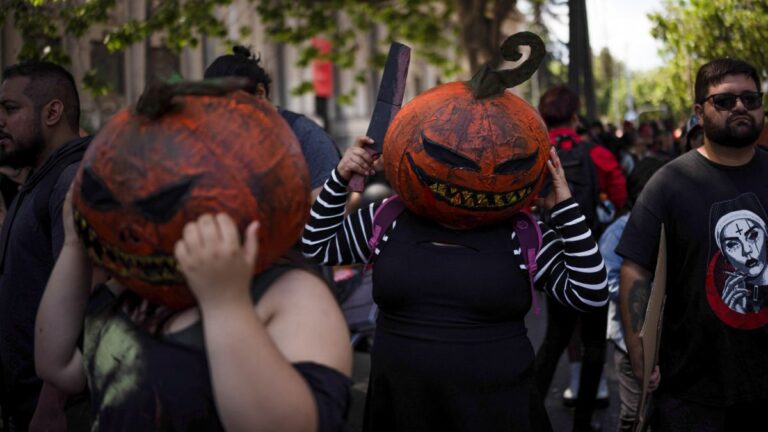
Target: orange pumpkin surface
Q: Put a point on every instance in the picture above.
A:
(463, 160)
(143, 179)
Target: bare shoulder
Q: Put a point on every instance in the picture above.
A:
(305, 321)
(296, 289)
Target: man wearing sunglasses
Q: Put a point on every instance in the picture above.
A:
(714, 350)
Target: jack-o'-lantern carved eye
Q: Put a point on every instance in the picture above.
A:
(517, 165)
(96, 194)
(448, 156)
(163, 204)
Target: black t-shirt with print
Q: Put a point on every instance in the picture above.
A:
(714, 347)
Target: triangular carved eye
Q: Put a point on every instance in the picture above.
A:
(448, 156)
(95, 193)
(517, 165)
(162, 205)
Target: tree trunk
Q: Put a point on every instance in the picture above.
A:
(480, 22)
(580, 78)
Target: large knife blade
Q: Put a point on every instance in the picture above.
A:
(388, 102)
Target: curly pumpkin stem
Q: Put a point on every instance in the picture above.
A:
(157, 98)
(487, 82)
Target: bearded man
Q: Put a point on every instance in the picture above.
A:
(711, 373)
(39, 125)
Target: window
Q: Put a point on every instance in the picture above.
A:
(162, 64)
(109, 67)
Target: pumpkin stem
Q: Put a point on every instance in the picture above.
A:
(157, 98)
(487, 82)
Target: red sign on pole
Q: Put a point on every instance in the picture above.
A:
(322, 70)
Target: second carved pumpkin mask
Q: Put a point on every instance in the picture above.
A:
(186, 151)
(467, 154)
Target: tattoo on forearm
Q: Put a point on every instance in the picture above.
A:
(639, 295)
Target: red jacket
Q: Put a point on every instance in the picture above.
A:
(610, 176)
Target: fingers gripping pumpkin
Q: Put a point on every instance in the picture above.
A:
(148, 173)
(467, 154)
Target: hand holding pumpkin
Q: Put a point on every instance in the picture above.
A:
(560, 191)
(217, 266)
(357, 160)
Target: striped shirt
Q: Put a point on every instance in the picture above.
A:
(570, 267)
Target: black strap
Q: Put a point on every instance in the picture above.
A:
(192, 336)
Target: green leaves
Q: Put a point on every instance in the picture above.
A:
(95, 84)
(696, 31)
(430, 27)
(426, 25)
(180, 22)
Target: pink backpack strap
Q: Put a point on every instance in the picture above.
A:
(529, 236)
(383, 218)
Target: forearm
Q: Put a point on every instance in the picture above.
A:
(255, 387)
(60, 320)
(51, 397)
(634, 295)
(329, 238)
(577, 275)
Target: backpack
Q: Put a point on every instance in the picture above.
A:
(524, 225)
(582, 179)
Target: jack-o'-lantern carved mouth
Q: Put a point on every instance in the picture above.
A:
(154, 269)
(469, 199)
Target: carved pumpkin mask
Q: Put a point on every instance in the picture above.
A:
(467, 154)
(147, 174)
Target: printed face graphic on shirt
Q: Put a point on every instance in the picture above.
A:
(737, 275)
(743, 244)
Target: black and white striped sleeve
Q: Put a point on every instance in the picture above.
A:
(570, 266)
(330, 238)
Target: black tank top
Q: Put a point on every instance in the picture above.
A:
(142, 382)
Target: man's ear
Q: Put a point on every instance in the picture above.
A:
(53, 112)
(261, 91)
(699, 110)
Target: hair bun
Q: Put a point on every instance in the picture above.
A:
(242, 51)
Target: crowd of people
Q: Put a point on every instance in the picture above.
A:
(80, 349)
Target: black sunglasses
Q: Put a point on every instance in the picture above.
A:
(726, 101)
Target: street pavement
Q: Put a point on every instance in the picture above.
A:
(560, 416)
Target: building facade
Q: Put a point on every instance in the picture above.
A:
(129, 71)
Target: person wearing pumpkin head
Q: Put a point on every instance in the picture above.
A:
(318, 148)
(450, 278)
(183, 336)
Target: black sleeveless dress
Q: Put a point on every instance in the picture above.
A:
(451, 351)
(144, 382)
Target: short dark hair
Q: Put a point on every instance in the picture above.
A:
(241, 63)
(48, 81)
(558, 105)
(714, 73)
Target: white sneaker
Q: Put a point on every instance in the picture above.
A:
(571, 393)
(569, 397)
